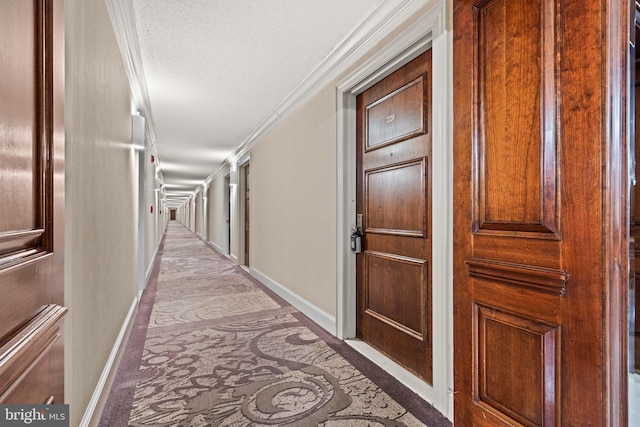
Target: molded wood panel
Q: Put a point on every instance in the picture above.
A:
(539, 278)
(516, 356)
(402, 305)
(19, 118)
(25, 132)
(397, 116)
(396, 199)
(26, 359)
(515, 188)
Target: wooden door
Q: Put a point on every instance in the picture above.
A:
(247, 197)
(394, 197)
(31, 201)
(531, 187)
(635, 203)
(227, 211)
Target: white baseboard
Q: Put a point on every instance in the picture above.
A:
(218, 248)
(233, 258)
(150, 267)
(319, 316)
(412, 382)
(97, 393)
(634, 398)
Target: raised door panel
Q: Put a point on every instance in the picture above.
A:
(517, 356)
(24, 143)
(397, 116)
(401, 306)
(396, 199)
(515, 137)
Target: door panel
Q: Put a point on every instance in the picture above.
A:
(31, 200)
(528, 262)
(394, 197)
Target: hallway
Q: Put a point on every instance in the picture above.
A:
(481, 207)
(220, 349)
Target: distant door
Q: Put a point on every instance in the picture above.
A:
(227, 211)
(394, 199)
(173, 214)
(247, 196)
(31, 201)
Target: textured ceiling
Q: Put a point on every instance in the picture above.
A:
(215, 69)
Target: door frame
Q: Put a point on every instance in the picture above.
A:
(428, 31)
(139, 147)
(227, 213)
(242, 163)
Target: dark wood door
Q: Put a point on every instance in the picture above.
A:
(227, 210)
(247, 196)
(31, 201)
(394, 197)
(530, 194)
(635, 202)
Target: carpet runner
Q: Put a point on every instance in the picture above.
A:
(211, 346)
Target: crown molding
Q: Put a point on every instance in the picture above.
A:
(370, 31)
(124, 28)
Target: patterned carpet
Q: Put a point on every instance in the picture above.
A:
(212, 347)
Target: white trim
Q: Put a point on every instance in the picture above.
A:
(315, 313)
(412, 382)
(429, 31)
(97, 393)
(124, 28)
(369, 32)
(634, 398)
(241, 208)
(215, 247)
(150, 268)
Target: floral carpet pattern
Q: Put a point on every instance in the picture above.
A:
(221, 350)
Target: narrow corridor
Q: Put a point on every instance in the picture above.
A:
(211, 346)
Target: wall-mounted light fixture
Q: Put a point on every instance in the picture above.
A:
(137, 132)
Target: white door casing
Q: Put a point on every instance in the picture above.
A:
(429, 31)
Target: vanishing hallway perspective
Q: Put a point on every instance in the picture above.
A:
(210, 346)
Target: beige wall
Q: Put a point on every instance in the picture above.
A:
(100, 270)
(293, 203)
(293, 196)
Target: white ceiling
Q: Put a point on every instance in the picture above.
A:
(216, 69)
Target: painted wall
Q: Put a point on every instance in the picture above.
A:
(198, 213)
(100, 269)
(293, 203)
